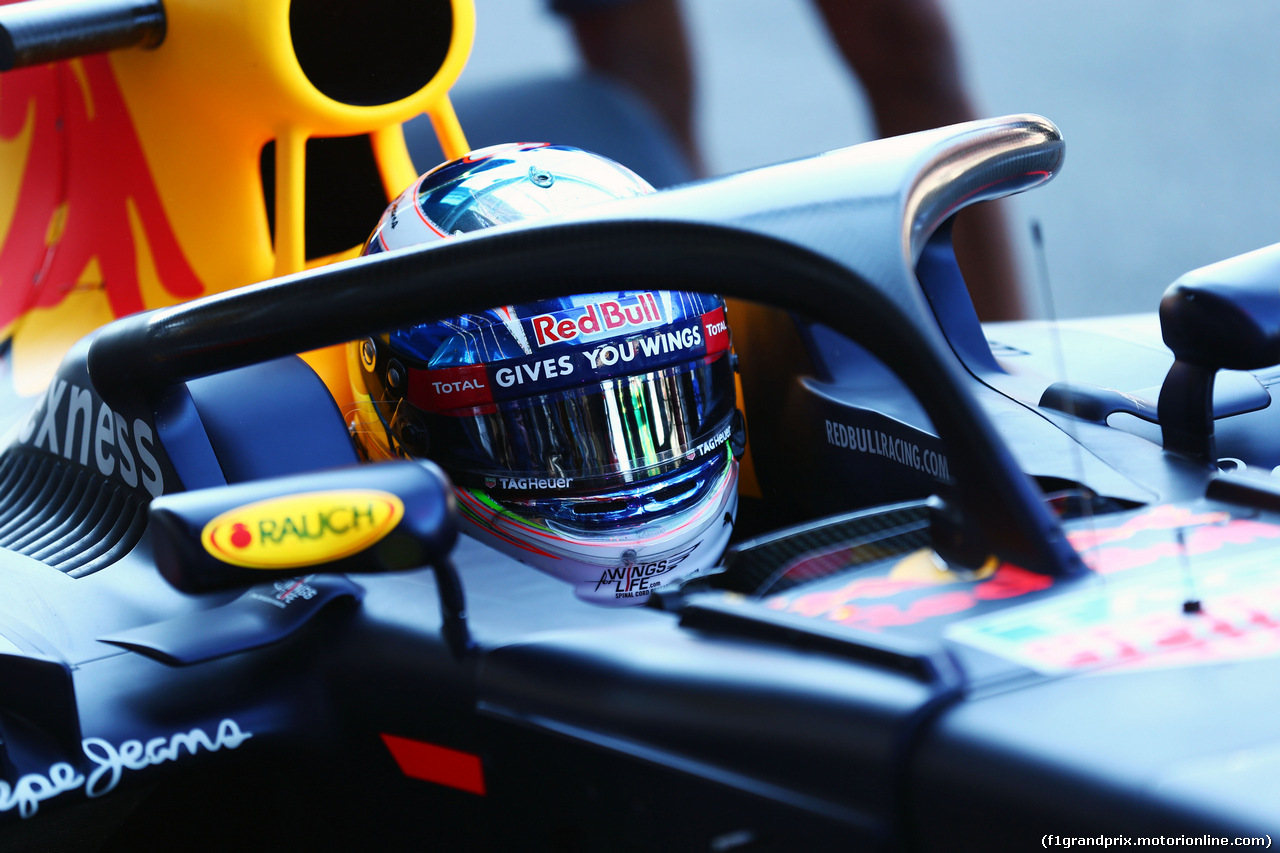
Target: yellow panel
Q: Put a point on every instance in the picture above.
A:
(234, 59)
(223, 84)
(227, 69)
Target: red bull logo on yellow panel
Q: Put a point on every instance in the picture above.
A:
(300, 530)
(86, 206)
(131, 180)
(84, 236)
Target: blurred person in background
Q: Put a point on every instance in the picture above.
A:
(903, 53)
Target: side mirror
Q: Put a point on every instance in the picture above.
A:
(371, 518)
(1225, 315)
(386, 517)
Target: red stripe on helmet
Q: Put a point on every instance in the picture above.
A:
(716, 331)
(449, 388)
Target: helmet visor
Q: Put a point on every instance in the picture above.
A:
(616, 432)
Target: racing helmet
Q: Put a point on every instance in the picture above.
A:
(593, 437)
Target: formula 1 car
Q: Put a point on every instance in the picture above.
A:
(978, 602)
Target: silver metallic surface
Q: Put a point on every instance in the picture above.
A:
(988, 160)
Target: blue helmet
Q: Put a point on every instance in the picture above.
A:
(591, 436)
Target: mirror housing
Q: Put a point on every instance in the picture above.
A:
(1222, 316)
(383, 517)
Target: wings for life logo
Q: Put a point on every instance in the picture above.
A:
(302, 530)
(632, 579)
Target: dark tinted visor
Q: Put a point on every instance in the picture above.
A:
(613, 433)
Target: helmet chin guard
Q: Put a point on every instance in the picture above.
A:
(587, 436)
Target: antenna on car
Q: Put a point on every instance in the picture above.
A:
(1060, 359)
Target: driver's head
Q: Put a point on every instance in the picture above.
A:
(587, 436)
